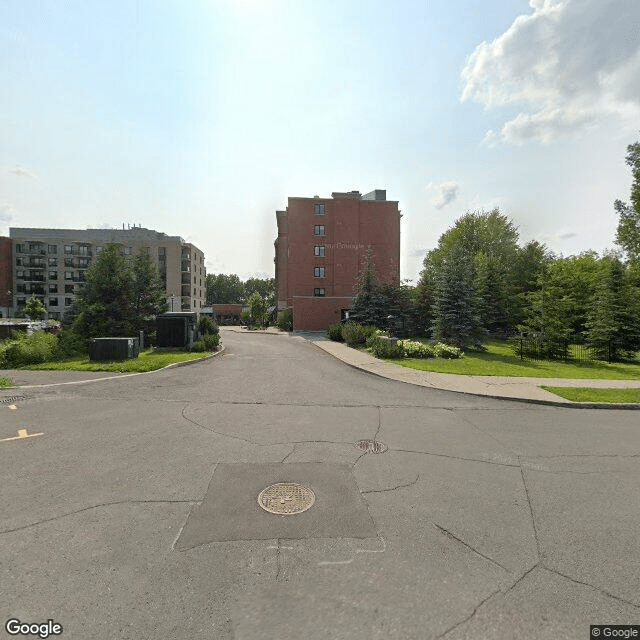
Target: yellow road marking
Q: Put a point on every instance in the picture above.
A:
(22, 433)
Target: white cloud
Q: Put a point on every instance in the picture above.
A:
(446, 193)
(7, 214)
(568, 64)
(23, 173)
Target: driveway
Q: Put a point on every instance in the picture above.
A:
(135, 514)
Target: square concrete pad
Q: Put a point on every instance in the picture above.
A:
(230, 509)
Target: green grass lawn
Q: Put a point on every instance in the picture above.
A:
(587, 394)
(6, 382)
(148, 360)
(499, 360)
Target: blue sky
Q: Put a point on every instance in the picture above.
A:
(200, 117)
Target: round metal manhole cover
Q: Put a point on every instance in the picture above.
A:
(373, 446)
(286, 498)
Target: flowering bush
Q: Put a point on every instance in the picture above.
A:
(414, 349)
(446, 350)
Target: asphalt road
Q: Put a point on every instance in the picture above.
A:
(135, 513)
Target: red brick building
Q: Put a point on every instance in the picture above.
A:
(322, 247)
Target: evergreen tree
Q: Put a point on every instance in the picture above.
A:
(548, 315)
(456, 306)
(613, 321)
(370, 305)
(148, 295)
(105, 302)
(487, 242)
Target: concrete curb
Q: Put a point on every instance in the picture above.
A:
(122, 375)
(553, 403)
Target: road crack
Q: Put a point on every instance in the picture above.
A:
(400, 486)
(473, 613)
(97, 506)
(598, 589)
(445, 455)
(468, 546)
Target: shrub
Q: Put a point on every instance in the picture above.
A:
(22, 349)
(334, 332)
(198, 346)
(446, 351)
(70, 345)
(285, 320)
(245, 317)
(415, 349)
(207, 326)
(211, 341)
(382, 347)
(355, 335)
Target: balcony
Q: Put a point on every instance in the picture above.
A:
(78, 251)
(38, 263)
(186, 291)
(34, 277)
(186, 267)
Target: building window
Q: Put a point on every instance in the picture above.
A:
(318, 230)
(68, 275)
(19, 262)
(318, 251)
(53, 262)
(52, 248)
(20, 275)
(162, 251)
(318, 272)
(68, 288)
(318, 293)
(53, 302)
(67, 248)
(318, 209)
(53, 275)
(127, 251)
(98, 249)
(19, 248)
(21, 302)
(53, 287)
(67, 302)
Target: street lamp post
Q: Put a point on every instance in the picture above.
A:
(9, 293)
(172, 297)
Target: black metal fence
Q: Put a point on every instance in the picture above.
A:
(569, 350)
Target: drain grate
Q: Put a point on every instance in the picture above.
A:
(11, 399)
(286, 498)
(372, 446)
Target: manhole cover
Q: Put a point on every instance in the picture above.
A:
(286, 498)
(372, 446)
(11, 399)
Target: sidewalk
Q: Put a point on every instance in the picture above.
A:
(524, 389)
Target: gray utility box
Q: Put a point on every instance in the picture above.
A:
(176, 329)
(101, 349)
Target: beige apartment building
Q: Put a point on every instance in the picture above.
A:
(52, 264)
